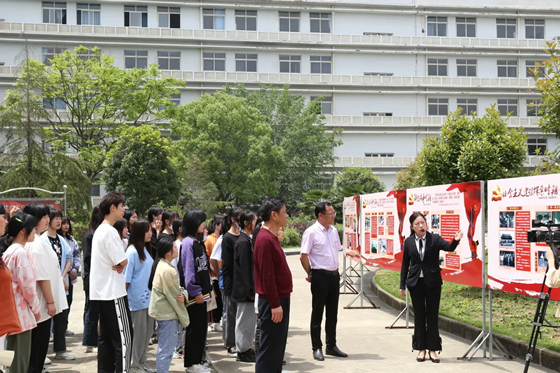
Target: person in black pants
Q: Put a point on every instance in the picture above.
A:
(320, 245)
(421, 273)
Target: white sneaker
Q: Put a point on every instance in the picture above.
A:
(217, 327)
(197, 368)
(210, 328)
(147, 369)
(64, 356)
(45, 370)
(69, 333)
(47, 361)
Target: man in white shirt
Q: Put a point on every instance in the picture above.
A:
(107, 286)
(320, 245)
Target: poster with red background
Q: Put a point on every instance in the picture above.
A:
(20, 203)
(351, 223)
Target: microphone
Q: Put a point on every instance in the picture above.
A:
(422, 230)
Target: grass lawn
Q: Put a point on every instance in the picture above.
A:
(512, 313)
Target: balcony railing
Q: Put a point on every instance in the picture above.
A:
(433, 121)
(272, 37)
(396, 162)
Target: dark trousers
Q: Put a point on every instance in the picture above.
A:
(70, 295)
(325, 291)
(217, 313)
(91, 317)
(60, 324)
(39, 346)
(115, 337)
(21, 345)
(425, 303)
(195, 339)
(230, 317)
(273, 337)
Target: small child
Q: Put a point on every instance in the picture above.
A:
(167, 301)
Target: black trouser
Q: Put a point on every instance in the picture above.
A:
(39, 346)
(195, 338)
(273, 337)
(60, 324)
(325, 290)
(115, 337)
(217, 313)
(425, 302)
(70, 295)
(91, 317)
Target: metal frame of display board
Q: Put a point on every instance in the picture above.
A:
(405, 311)
(63, 193)
(346, 284)
(361, 295)
(485, 339)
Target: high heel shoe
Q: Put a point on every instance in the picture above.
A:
(436, 360)
(421, 359)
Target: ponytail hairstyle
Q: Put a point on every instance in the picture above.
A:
(18, 222)
(233, 214)
(246, 217)
(177, 228)
(120, 225)
(218, 220)
(414, 217)
(164, 245)
(137, 238)
(68, 235)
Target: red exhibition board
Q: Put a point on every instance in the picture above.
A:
(20, 203)
(351, 223)
(514, 264)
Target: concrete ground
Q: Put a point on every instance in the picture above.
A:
(361, 334)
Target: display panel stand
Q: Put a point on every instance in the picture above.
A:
(346, 284)
(406, 312)
(361, 294)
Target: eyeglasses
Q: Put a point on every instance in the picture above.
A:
(331, 213)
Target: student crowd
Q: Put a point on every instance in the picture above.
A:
(158, 280)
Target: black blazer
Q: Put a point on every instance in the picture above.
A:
(411, 264)
(243, 288)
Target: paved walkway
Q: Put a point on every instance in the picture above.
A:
(361, 333)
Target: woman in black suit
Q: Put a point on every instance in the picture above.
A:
(421, 273)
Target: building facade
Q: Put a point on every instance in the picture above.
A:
(389, 71)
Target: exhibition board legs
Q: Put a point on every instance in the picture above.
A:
(361, 294)
(346, 284)
(406, 312)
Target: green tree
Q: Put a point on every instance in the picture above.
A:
(97, 100)
(358, 178)
(409, 177)
(470, 148)
(298, 129)
(232, 145)
(547, 83)
(139, 167)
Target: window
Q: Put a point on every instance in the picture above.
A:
(87, 55)
(246, 62)
(506, 106)
(214, 61)
(531, 66)
(49, 53)
(326, 104)
(469, 105)
(506, 28)
(214, 19)
(169, 17)
(289, 21)
(169, 60)
(533, 108)
(437, 26)
(176, 99)
(290, 64)
(95, 190)
(136, 59)
(466, 67)
(320, 22)
(135, 16)
(382, 155)
(507, 68)
(54, 12)
(321, 65)
(534, 28)
(375, 114)
(246, 20)
(54, 103)
(438, 106)
(437, 66)
(536, 146)
(466, 27)
(89, 14)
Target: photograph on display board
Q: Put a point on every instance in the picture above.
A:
(351, 210)
(374, 246)
(513, 205)
(382, 246)
(367, 224)
(435, 221)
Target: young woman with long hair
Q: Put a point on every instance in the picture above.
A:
(215, 316)
(65, 232)
(122, 228)
(167, 303)
(137, 275)
(178, 235)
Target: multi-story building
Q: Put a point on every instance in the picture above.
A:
(389, 70)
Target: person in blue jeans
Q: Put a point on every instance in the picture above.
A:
(167, 302)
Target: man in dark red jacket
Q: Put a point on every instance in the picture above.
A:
(273, 285)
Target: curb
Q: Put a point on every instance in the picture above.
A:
(518, 349)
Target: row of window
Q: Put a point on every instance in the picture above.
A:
(468, 67)
(246, 20)
(506, 106)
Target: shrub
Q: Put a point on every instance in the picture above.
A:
(291, 237)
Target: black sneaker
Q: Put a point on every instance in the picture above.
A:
(247, 356)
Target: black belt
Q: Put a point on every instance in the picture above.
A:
(332, 273)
